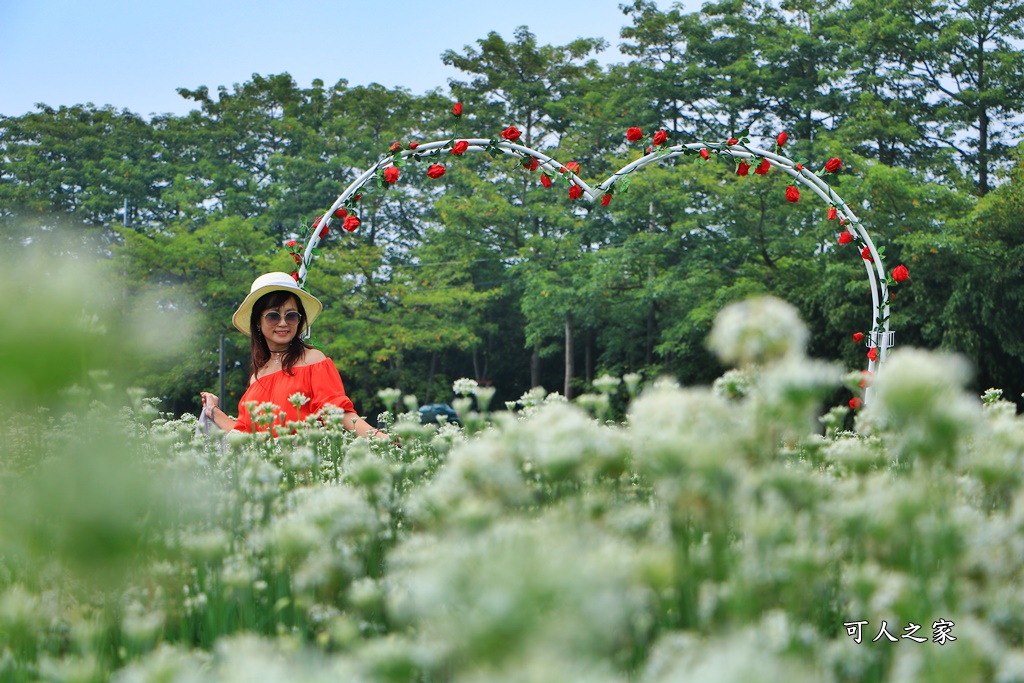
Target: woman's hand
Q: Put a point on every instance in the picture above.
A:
(361, 427)
(210, 403)
(210, 408)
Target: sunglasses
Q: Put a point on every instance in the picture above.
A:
(291, 317)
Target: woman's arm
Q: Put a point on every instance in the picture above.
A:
(212, 409)
(361, 427)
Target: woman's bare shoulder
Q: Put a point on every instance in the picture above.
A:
(313, 356)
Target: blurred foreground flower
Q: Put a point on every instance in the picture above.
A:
(920, 406)
(757, 331)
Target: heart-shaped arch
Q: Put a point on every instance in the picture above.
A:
(880, 339)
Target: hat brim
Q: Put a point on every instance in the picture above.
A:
(310, 303)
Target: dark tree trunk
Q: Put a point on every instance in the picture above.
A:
(569, 353)
(982, 153)
(433, 368)
(649, 346)
(588, 357)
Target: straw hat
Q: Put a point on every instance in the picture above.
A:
(272, 282)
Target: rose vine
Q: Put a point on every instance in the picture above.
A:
(388, 169)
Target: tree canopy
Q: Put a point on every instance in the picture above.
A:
(485, 272)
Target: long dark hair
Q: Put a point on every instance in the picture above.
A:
(258, 344)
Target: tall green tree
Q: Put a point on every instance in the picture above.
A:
(534, 87)
(240, 136)
(81, 164)
(395, 330)
(973, 287)
(737, 65)
(206, 271)
(954, 69)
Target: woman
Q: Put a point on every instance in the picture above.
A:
(276, 315)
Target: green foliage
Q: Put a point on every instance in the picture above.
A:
(921, 103)
(933, 72)
(83, 162)
(423, 307)
(198, 270)
(985, 287)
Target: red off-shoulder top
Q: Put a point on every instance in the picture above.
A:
(320, 382)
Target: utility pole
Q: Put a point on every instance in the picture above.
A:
(220, 374)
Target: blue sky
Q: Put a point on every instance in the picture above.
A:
(134, 54)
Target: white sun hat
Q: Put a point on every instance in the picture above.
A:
(271, 282)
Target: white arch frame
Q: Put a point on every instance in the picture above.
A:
(880, 336)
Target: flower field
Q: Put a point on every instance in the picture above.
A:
(723, 533)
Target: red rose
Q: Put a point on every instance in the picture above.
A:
(872, 354)
(413, 145)
(762, 167)
(575, 192)
(858, 336)
(316, 221)
(511, 133)
(732, 141)
(792, 193)
(457, 109)
(340, 213)
(396, 146)
(865, 378)
(545, 180)
(573, 166)
(391, 174)
(659, 138)
(351, 223)
(781, 140)
(845, 237)
(900, 273)
(865, 253)
(291, 243)
(606, 199)
(460, 147)
(856, 403)
(833, 165)
(358, 197)
(435, 171)
(298, 259)
(295, 276)
(743, 168)
(799, 167)
(530, 163)
(323, 231)
(704, 154)
(842, 221)
(831, 213)
(648, 150)
(634, 134)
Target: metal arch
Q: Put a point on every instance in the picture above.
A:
(880, 337)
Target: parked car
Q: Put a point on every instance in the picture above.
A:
(430, 412)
